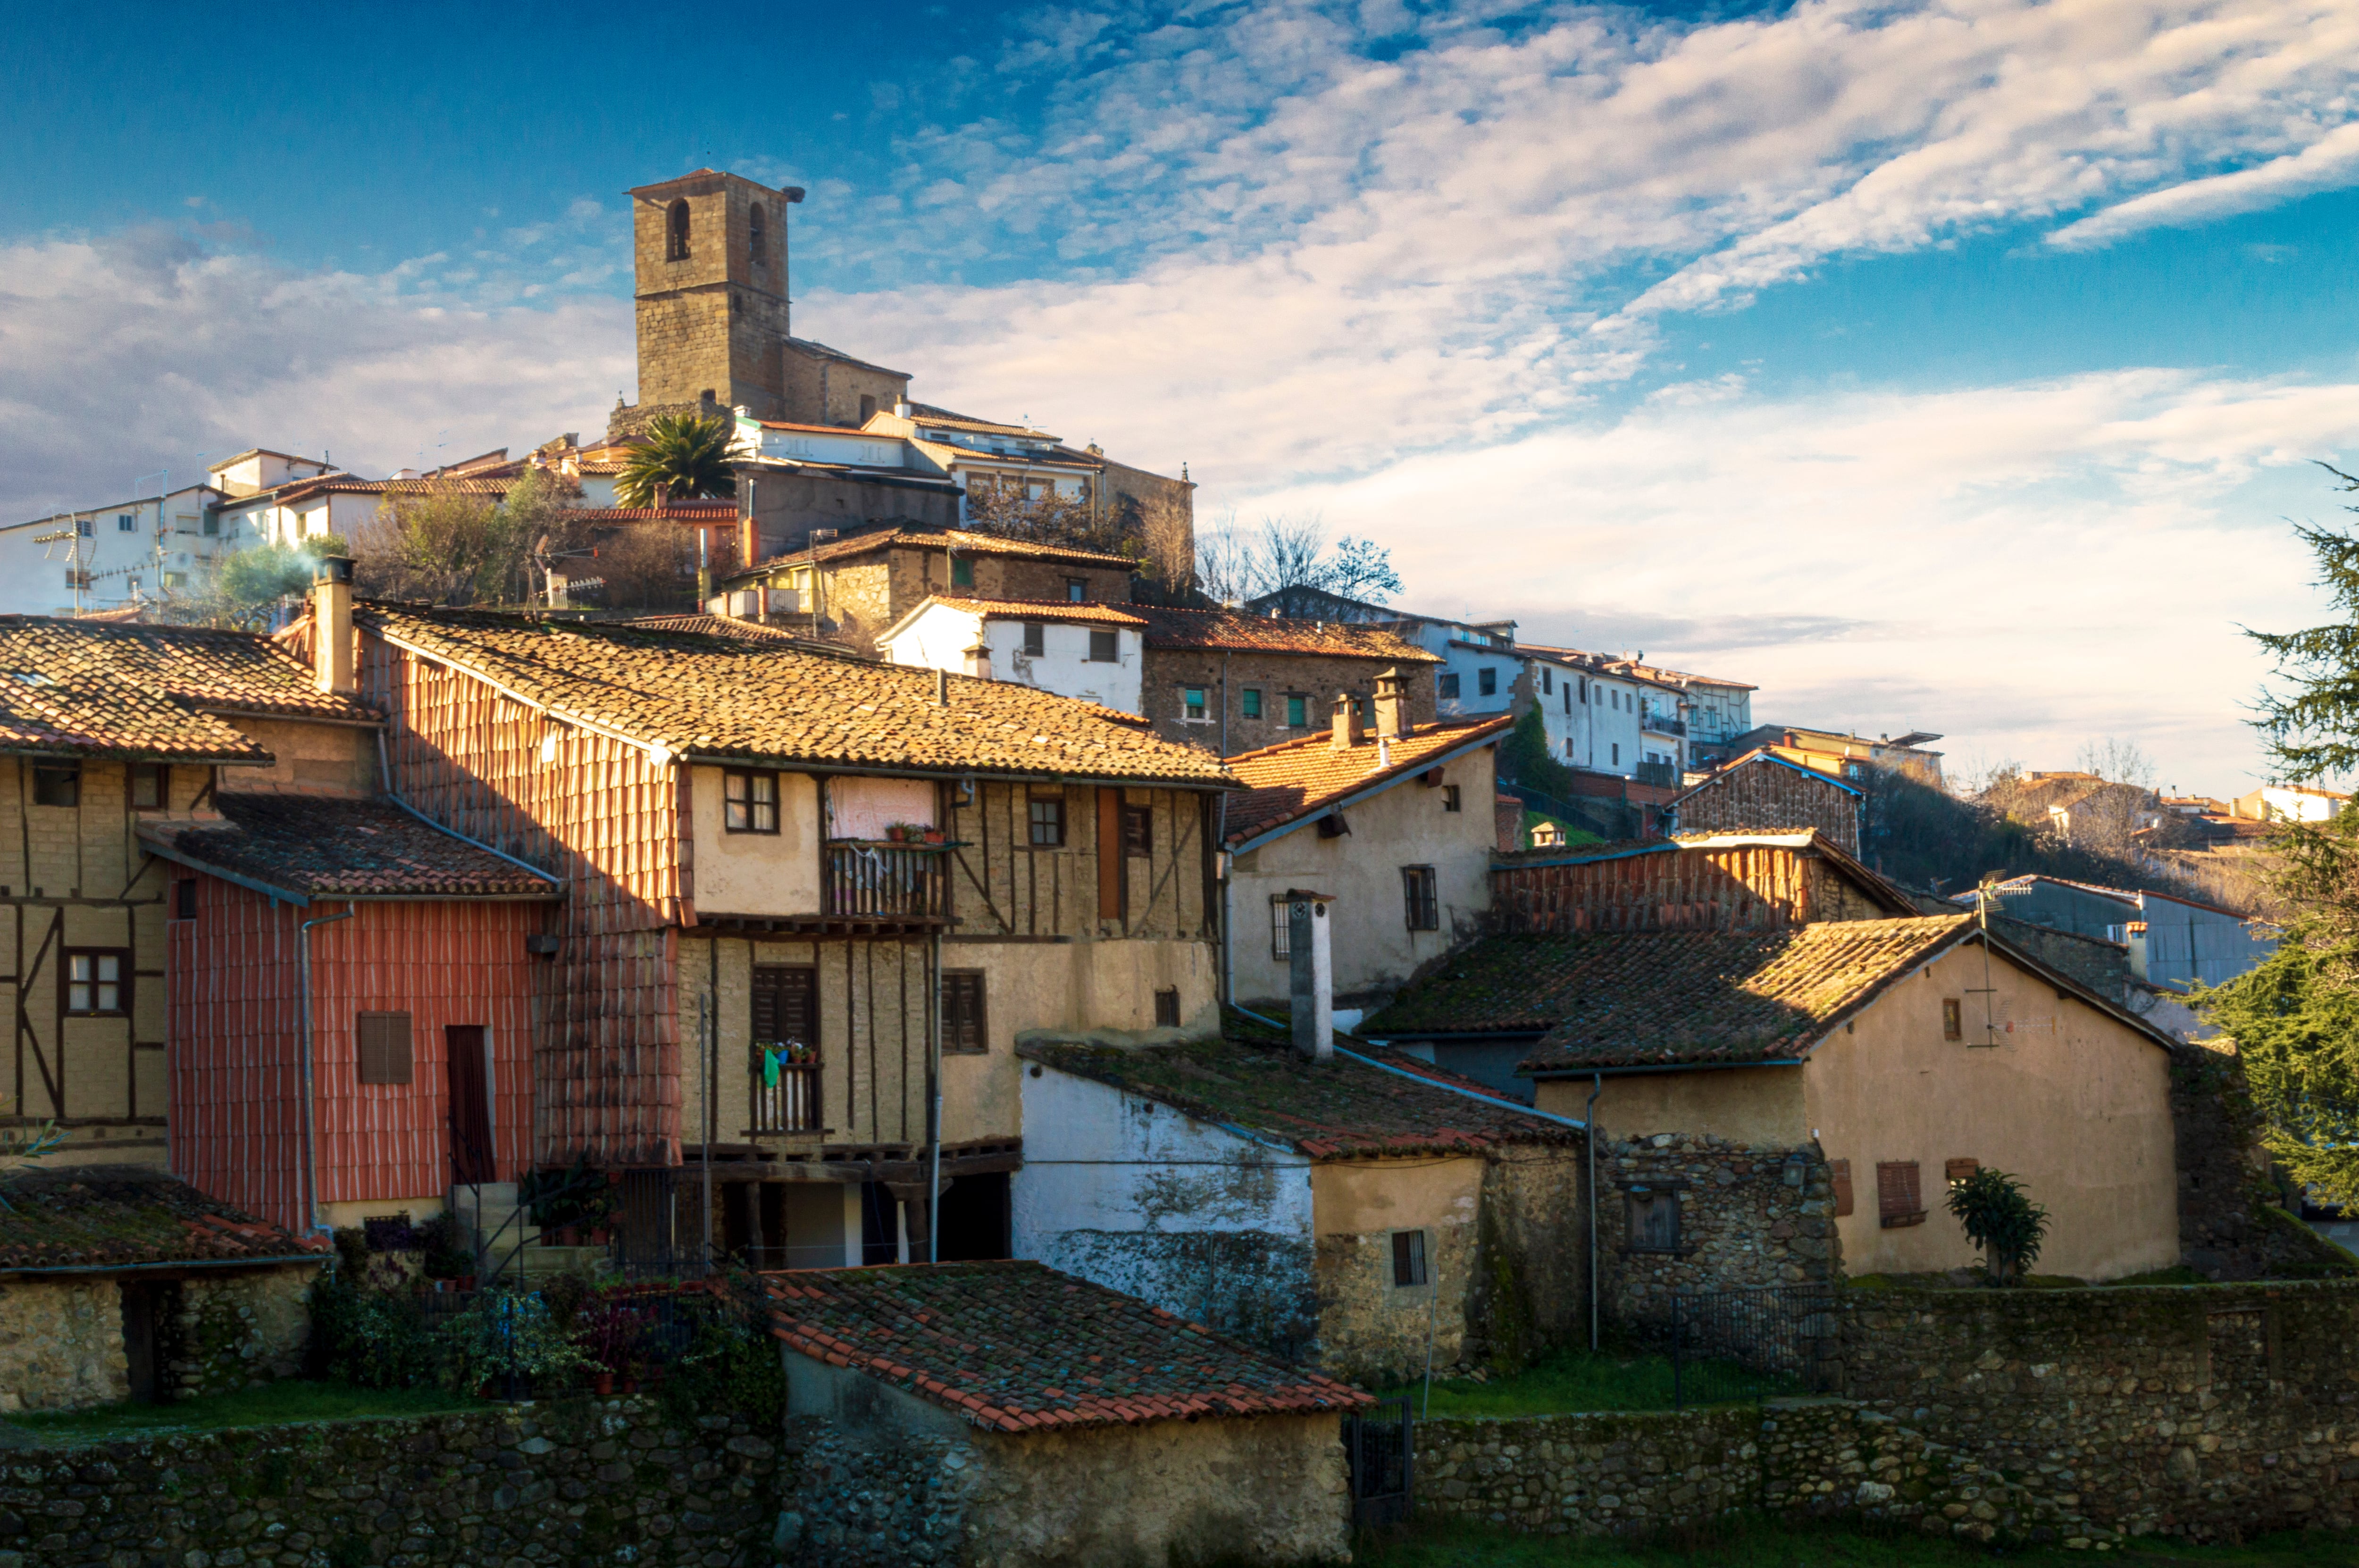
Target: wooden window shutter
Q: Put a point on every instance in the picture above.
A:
(1898, 1195)
(964, 1031)
(1841, 1171)
(385, 1055)
(1110, 856)
(1956, 1171)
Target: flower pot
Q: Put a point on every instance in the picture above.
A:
(933, 837)
(630, 1385)
(605, 1382)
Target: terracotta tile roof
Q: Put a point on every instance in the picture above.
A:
(1252, 1080)
(1243, 632)
(95, 1217)
(1668, 998)
(1043, 610)
(1808, 840)
(313, 845)
(80, 687)
(730, 697)
(957, 539)
(677, 512)
(1762, 755)
(455, 485)
(750, 631)
(1016, 1346)
(1288, 782)
(927, 414)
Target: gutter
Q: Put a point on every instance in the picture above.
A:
(1435, 1083)
(1552, 1074)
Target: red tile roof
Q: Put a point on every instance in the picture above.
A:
(706, 512)
(1243, 632)
(957, 539)
(1016, 1346)
(1250, 1078)
(751, 631)
(730, 697)
(1288, 782)
(86, 688)
(1041, 609)
(96, 1216)
(313, 845)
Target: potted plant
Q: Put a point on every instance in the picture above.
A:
(933, 835)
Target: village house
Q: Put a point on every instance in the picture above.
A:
(1005, 1413)
(1873, 1061)
(1091, 651)
(1762, 792)
(808, 899)
(1345, 1210)
(2171, 943)
(1389, 822)
(1228, 681)
(122, 1283)
(102, 727)
(1711, 712)
(1846, 756)
(2288, 803)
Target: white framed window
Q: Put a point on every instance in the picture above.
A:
(1279, 948)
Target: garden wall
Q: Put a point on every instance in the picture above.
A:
(540, 1484)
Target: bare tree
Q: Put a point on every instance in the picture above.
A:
(1284, 552)
(2117, 760)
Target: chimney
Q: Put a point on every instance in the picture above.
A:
(1392, 705)
(2136, 934)
(1347, 722)
(331, 623)
(1311, 957)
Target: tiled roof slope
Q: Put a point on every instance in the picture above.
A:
(1810, 840)
(1044, 610)
(72, 688)
(1239, 631)
(331, 847)
(762, 633)
(960, 540)
(1016, 1346)
(727, 699)
(1251, 1079)
(95, 1217)
(1286, 783)
(1668, 998)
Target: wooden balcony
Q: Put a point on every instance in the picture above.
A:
(885, 882)
(790, 1105)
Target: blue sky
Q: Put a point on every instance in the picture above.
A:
(1944, 366)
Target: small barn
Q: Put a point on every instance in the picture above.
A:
(1003, 1412)
(1762, 792)
(120, 1282)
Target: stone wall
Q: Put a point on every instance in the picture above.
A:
(236, 1328)
(63, 1348)
(1531, 1291)
(611, 1480)
(1748, 1217)
(61, 1344)
(1315, 677)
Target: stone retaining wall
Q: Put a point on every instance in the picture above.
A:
(611, 1480)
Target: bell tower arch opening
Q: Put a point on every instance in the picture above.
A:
(709, 259)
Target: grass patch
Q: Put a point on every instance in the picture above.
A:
(1773, 1544)
(1571, 1381)
(267, 1405)
(2176, 1274)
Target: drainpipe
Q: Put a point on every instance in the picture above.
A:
(1589, 1115)
(1224, 865)
(310, 1112)
(934, 1105)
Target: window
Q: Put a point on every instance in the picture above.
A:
(1102, 647)
(676, 230)
(1897, 1199)
(1279, 945)
(1036, 638)
(1408, 1260)
(1617, 753)
(1653, 1213)
(1167, 1008)
(962, 572)
(867, 406)
(1076, 590)
(1956, 1171)
(757, 247)
(1048, 821)
(1568, 745)
(132, 582)
(1548, 681)
(1418, 894)
(383, 1039)
(1839, 1172)
(1953, 1018)
(124, 523)
(86, 527)
(212, 525)
(1138, 830)
(94, 982)
(1486, 682)
(151, 786)
(184, 899)
(57, 783)
(1297, 712)
(1568, 700)
(1191, 702)
(1445, 687)
(1251, 702)
(963, 1033)
(749, 801)
(1450, 801)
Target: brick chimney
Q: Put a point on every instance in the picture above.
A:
(1392, 705)
(331, 623)
(1347, 732)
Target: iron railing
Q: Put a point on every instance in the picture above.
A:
(1381, 1448)
(1752, 1343)
(1608, 819)
(790, 1105)
(1651, 772)
(886, 881)
(1662, 724)
(512, 1346)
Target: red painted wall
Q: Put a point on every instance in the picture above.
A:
(237, 1117)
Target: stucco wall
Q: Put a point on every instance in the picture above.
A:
(1369, 1327)
(338, 756)
(1755, 1106)
(1374, 951)
(1197, 1220)
(2074, 1103)
(756, 873)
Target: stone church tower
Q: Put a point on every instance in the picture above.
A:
(710, 254)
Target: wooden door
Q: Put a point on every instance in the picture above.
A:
(472, 1158)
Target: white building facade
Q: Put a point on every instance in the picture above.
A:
(1093, 652)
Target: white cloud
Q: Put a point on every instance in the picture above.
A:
(2330, 161)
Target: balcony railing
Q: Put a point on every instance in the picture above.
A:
(1662, 724)
(790, 1105)
(886, 881)
(1651, 772)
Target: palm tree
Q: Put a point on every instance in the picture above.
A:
(685, 457)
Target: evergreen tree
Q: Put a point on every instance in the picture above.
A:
(685, 457)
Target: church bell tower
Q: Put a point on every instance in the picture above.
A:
(710, 252)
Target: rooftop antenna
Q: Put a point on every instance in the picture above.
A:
(1985, 894)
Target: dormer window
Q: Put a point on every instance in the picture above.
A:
(676, 230)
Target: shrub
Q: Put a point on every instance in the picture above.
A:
(373, 1339)
(2002, 1220)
